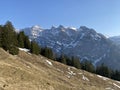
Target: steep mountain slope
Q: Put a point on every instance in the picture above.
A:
(84, 43)
(116, 40)
(30, 72)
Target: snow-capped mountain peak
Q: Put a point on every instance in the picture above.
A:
(36, 27)
(72, 28)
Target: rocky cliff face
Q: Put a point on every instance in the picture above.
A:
(83, 42)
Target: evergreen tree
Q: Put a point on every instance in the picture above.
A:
(116, 75)
(0, 36)
(63, 59)
(21, 39)
(76, 62)
(9, 39)
(27, 43)
(88, 66)
(14, 50)
(103, 70)
(69, 61)
(35, 49)
(47, 52)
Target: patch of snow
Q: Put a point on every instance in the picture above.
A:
(73, 28)
(24, 49)
(50, 63)
(98, 36)
(73, 44)
(99, 59)
(68, 76)
(73, 67)
(84, 58)
(29, 53)
(28, 66)
(80, 73)
(116, 85)
(70, 72)
(104, 78)
(58, 43)
(69, 68)
(82, 35)
(91, 75)
(109, 88)
(60, 70)
(63, 30)
(95, 37)
(85, 78)
(36, 26)
(118, 82)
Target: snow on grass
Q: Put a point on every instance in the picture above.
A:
(118, 82)
(50, 63)
(116, 85)
(60, 70)
(80, 73)
(85, 78)
(24, 49)
(104, 78)
(70, 72)
(109, 88)
(68, 76)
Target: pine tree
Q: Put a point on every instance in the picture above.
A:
(47, 52)
(63, 59)
(9, 37)
(14, 50)
(76, 62)
(116, 75)
(88, 66)
(0, 36)
(27, 43)
(21, 39)
(103, 70)
(35, 49)
(69, 61)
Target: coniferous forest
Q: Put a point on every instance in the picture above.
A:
(11, 41)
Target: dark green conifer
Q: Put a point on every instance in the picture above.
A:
(21, 39)
(9, 37)
(76, 62)
(63, 59)
(35, 49)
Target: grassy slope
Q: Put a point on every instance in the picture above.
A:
(31, 72)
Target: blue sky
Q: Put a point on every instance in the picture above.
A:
(101, 15)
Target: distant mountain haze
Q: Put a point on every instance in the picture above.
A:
(82, 42)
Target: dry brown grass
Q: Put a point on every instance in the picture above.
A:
(31, 72)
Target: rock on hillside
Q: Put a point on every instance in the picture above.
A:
(30, 72)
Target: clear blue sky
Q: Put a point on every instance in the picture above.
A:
(101, 15)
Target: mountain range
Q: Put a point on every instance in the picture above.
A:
(84, 43)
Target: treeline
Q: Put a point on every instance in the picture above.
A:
(86, 65)
(11, 41)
